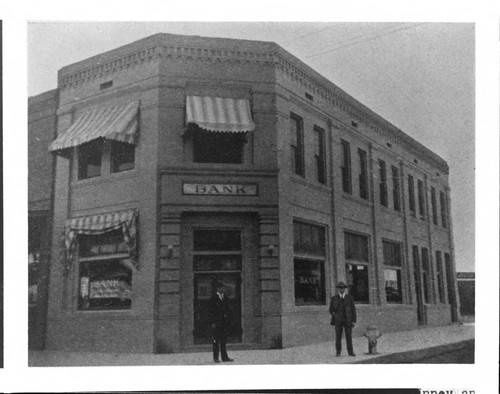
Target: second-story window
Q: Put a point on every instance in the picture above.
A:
(363, 174)
(434, 206)
(382, 182)
(411, 194)
(442, 203)
(346, 167)
(297, 144)
(395, 189)
(90, 159)
(319, 154)
(210, 147)
(421, 199)
(122, 156)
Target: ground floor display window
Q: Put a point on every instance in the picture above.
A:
(309, 263)
(393, 262)
(356, 249)
(309, 282)
(105, 274)
(357, 279)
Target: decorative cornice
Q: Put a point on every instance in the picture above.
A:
(272, 56)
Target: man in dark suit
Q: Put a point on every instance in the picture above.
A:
(218, 316)
(343, 313)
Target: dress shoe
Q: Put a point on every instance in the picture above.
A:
(337, 355)
(227, 360)
(352, 355)
(216, 361)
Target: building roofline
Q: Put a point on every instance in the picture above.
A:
(265, 52)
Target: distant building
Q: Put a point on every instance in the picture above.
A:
(42, 121)
(467, 292)
(182, 161)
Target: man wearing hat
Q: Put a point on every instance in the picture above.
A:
(218, 316)
(343, 313)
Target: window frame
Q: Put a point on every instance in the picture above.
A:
(366, 264)
(297, 150)
(395, 267)
(411, 195)
(396, 191)
(81, 165)
(421, 198)
(320, 154)
(443, 205)
(434, 205)
(346, 167)
(426, 274)
(118, 257)
(310, 256)
(440, 277)
(364, 189)
(383, 194)
(113, 156)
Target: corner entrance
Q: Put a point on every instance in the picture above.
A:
(217, 258)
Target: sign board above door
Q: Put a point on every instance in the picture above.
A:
(219, 189)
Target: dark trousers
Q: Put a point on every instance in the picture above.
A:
(219, 342)
(339, 327)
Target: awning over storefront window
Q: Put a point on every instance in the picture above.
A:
(100, 224)
(219, 114)
(118, 122)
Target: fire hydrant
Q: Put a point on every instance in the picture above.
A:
(372, 334)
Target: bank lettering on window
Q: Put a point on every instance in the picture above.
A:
(217, 189)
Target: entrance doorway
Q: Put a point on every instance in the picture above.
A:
(216, 259)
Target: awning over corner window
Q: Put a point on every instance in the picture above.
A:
(220, 114)
(100, 224)
(118, 122)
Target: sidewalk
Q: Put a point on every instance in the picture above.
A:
(322, 353)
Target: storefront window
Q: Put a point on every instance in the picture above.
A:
(105, 276)
(105, 285)
(357, 279)
(309, 263)
(357, 260)
(392, 278)
(309, 282)
(392, 273)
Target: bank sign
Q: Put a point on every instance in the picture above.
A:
(219, 189)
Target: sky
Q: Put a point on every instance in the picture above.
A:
(418, 76)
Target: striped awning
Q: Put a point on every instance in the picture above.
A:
(118, 122)
(100, 224)
(220, 114)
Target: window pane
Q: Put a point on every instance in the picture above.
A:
(411, 193)
(211, 147)
(357, 279)
(382, 183)
(363, 174)
(346, 167)
(104, 285)
(434, 206)
(421, 199)
(395, 189)
(392, 253)
(356, 247)
(309, 239)
(122, 156)
(89, 159)
(309, 282)
(217, 263)
(319, 154)
(392, 279)
(297, 144)
(107, 243)
(216, 240)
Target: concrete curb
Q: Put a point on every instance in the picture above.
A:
(413, 356)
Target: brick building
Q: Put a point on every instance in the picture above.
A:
(181, 161)
(42, 120)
